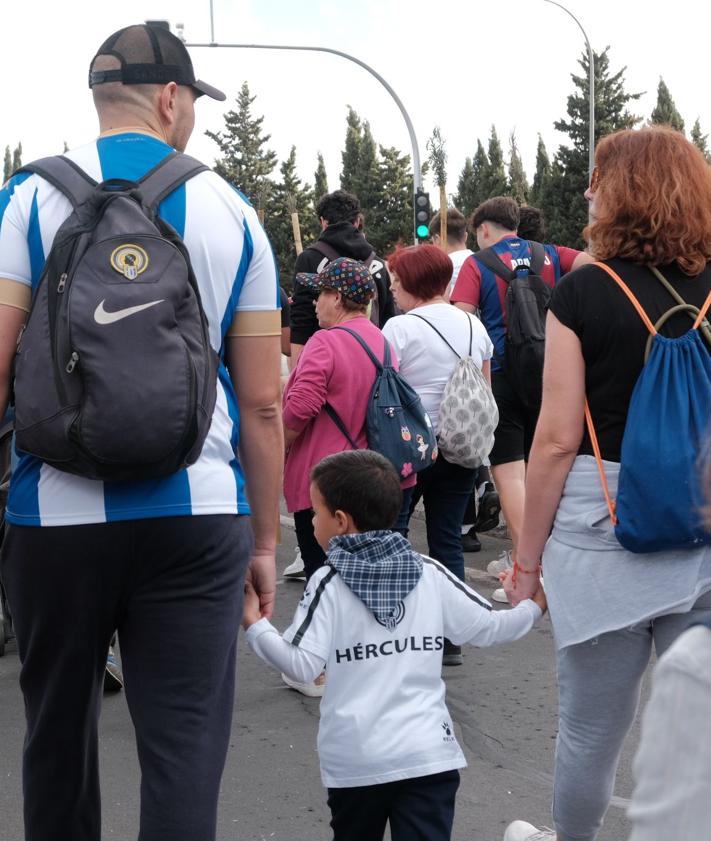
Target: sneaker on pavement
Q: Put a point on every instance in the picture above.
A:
(470, 542)
(315, 689)
(501, 564)
(113, 676)
(452, 654)
(524, 831)
(295, 570)
(488, 509)
(499, 596)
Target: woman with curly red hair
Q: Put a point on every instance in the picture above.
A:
(650, 207)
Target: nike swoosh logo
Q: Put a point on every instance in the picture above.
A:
(101, 316)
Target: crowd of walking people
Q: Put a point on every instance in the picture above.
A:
(572, 388)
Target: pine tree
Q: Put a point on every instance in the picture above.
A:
(542, 176)
(665, 112)
(496, 183)
(351, 154)
(566, 209)
(245, 161)
(320, 179)
(287, 197)
(17, 157)
(367, 186)
(699, 140)
(518, 183)
(7, 166)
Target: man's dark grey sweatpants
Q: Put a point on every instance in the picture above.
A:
(173, 588)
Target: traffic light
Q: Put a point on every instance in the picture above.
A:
(422, 215)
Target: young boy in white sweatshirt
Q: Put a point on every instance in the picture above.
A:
(376, 617)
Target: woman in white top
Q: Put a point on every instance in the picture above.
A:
(419, 278)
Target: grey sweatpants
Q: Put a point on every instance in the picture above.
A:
(598, 692)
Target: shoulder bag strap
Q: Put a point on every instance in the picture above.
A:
(538, 257)
(175, 169)
(336, 418)
(373, 358)
(324, 248)
(63, 174)
(492, 261)
(588, 415)
(422, 318)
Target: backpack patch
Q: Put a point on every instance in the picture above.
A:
(115, 377)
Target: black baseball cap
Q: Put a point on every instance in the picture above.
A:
(149, 55)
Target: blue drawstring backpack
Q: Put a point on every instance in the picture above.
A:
(659, 493)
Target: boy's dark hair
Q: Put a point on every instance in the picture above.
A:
(338, 206)
(530, 223)
(456, 225)
(361, 483)
(501, 211)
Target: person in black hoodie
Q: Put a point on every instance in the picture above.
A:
(341, 218)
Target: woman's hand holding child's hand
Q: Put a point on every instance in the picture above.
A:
(534, 589)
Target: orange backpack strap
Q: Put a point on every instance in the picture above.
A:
(702, 312)
(628, 292)
(601, 469)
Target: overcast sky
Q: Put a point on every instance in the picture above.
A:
(507, 64)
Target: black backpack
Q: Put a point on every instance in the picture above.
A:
(527, 299)
(115, 377)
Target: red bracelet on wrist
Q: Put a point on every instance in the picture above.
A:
(516, 569)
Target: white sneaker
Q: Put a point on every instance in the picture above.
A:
(501, 564)
(315, 689)
(524, 831)
(499, 595)
(295, 570)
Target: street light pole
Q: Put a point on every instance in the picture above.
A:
(408, 122)
(591, 86)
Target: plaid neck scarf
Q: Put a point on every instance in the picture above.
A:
(380, 567)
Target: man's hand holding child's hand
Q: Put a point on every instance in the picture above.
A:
(250, 611)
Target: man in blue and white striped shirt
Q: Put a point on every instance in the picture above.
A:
(163, 561)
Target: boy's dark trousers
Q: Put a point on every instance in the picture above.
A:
(173, 588)
(418, 809)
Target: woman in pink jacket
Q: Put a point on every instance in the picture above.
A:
(333, 368)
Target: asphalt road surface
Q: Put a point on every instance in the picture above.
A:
(502, 700)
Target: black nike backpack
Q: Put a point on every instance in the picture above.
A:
(526, 303)
(115, 377)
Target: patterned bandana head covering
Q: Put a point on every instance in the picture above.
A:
(349, 277)
(380, 567)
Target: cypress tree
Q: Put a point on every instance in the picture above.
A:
(7, 165)
(17, 157)
(351, 154)
(320, 179)
(542, 176)
(465, 197)
(700, 140)
(518, 183)
(665, 111)
(496, 182)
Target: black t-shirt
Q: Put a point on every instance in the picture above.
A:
(613, 336)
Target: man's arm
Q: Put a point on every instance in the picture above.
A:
(14, 305)
(254, 366)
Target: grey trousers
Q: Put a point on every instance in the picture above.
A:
(599, 684)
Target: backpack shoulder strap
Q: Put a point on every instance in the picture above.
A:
(336, 418)
(422, 318)
(327, 250)
(492, 261)
(373, 358)
(538, 257)
(628, 292)
(63, 174)
(175, 169)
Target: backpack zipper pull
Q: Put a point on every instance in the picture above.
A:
(62, 283)
(72, 364)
